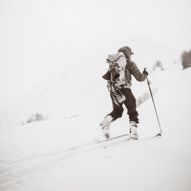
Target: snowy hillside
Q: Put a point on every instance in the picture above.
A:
(58, 154)
(64, 93)
(53, 97)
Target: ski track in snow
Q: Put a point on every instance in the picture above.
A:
(35, 165)
(70, 152)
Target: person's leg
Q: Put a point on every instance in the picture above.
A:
(115, 114)
(130, 103)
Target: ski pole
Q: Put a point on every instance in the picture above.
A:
(153, 101)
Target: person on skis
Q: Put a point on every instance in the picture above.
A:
(118, 77)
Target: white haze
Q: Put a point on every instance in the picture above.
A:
(43, 38)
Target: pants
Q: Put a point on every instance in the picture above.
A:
(130, 104)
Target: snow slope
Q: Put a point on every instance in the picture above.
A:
(74, 84)
(43, 156)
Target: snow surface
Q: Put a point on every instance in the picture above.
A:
(59, 154)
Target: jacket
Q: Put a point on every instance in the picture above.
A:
(130, 69)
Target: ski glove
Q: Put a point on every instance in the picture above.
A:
(145, 72)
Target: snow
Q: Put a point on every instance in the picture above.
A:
(59, 154)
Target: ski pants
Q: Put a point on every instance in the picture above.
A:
(130, 104)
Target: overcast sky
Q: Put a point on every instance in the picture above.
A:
(38, 36)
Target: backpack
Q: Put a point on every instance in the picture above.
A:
(116, 59)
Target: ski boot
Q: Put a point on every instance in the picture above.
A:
(133, 130)
(105, 125)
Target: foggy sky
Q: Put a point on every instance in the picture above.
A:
(38, 36)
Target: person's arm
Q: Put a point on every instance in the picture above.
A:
(107, 76)
(139, 76)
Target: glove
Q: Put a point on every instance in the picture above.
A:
(145, 72)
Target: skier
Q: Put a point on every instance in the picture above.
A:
(121, 67)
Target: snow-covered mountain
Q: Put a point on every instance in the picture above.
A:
(78, 86)
(52, 154)
(52, 58)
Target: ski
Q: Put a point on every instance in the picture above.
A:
(99, 142)
(112, 138)
(128, 138)
(94, 143)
